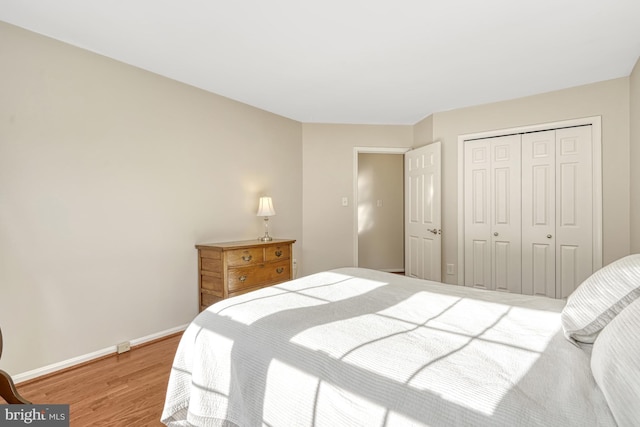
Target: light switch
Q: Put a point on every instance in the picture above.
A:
(379, 203)
(345, 201)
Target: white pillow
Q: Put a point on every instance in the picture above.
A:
(615, 363)
(600, 298)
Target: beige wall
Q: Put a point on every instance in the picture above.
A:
(634, 90)
(381, 211)
(327, 176)
(609, 99)
(108, 177)
(423, 132)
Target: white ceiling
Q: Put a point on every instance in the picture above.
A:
(353, 61)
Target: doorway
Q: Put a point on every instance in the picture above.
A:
(378, 212)
(414, 245)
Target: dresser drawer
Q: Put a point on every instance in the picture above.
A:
(208, 299)
(272, 253)
(212, 282)
(243, 278)
(210, 260)
(248, 256)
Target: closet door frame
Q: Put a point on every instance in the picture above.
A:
(596, 130)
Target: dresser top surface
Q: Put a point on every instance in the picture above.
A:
(244, 244)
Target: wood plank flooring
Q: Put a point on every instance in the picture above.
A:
(118, 390)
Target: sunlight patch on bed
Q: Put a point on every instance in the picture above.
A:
(470, 352)
(331, 286)
(286, 387)
(324, 288)
(262, 305)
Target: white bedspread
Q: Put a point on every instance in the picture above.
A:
(355, 347)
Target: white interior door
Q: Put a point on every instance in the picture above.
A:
(422, 212)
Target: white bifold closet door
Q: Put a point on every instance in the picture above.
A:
(492, 214)
(529, 212)
(557, 211)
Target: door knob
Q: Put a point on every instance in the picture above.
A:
(549, 236)
(495, 234)
(434, 231)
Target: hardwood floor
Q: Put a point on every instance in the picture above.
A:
(118, 390)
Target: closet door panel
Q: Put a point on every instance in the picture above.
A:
(543, 269)
(502, 278)
(506, 213)
(481, 264)
(568, 264)
(538, 213)
(477, 211)
(574, 212)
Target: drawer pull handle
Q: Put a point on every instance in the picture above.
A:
(278, 253)
(243, 278)
(279, 270)
(246, 258)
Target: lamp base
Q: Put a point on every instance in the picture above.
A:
(266, 237)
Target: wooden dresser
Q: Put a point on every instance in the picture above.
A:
(233, 268)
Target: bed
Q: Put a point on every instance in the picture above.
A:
(357, 347)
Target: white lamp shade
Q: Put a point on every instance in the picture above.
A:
(265, 207)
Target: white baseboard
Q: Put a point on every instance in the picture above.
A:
(157, 335)
(38, 372)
